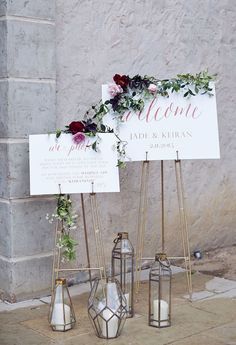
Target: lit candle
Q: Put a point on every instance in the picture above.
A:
(109, 328)
(58, 320)
(164, 313)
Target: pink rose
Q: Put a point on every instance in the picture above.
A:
(78, 138)
(114, 89)
(152, 88)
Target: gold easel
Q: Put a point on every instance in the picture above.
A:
(183, 222)
(142, 221)
(56, 269)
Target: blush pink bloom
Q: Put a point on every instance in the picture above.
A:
(114, 89)
(78, 138)
(152, 88)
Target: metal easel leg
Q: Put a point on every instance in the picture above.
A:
(97, 232)
(86, 237)
(142, 220)
(183, 225)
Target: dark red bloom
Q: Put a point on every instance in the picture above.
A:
(122, 80)
(76, 126)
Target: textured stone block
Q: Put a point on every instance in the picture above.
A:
(42, 9)
(31, 276)
(3, 7)
(5, 229)
(31, 232)
(3, 107)
(3, 49)
(4, 183)
(31, 50)
(14, 181)
(31, 108)
(25, 278)
(24, 228)
(5, 276)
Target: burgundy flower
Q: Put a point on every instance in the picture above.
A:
(76, 126)
(122, 80)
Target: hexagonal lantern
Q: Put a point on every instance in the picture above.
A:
(107, 308)
(61, 313)
(122, 267)
(160, 292)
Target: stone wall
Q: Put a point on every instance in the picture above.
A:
(27, 94)
(94, 40)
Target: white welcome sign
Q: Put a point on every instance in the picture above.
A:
(75, 167)
(169, 125)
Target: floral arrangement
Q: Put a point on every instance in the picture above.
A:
(131, 93)
(65, 215)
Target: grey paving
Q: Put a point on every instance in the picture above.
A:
(206, 322)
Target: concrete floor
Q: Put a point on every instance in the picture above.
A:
(209, 320)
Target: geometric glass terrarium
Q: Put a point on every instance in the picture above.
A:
(160, 292)
(107, 308)
(122, 267)
(61, 313)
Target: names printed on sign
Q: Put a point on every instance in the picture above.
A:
(74, 167)
(167, 125)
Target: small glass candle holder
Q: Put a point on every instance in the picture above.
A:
(160, 292)
(107, 308)
(61, 313)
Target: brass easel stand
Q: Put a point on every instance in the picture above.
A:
(183, 225)
(97, 232)
(142, 221)
(56, 269)
(183, 222)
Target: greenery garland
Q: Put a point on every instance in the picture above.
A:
(65, 215)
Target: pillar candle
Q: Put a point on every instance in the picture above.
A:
(109, 328)
(164, 311)
(112, 296)
(127, 301)
(58, 317)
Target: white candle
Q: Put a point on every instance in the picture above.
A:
(112, 296)
(109, 328)
(164, 312)
(127, 302)
(58, 317)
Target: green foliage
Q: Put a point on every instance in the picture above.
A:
(67, 245)
(58, 133)
(65, 215)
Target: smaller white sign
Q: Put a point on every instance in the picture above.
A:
(75, 167)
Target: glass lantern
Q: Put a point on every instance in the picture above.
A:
(107, 308)
(160, 292)
(61, 314)
(122, 267)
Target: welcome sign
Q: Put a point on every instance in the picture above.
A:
(77, 168)
(187, 125)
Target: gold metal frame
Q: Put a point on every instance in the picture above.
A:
(183, 221)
